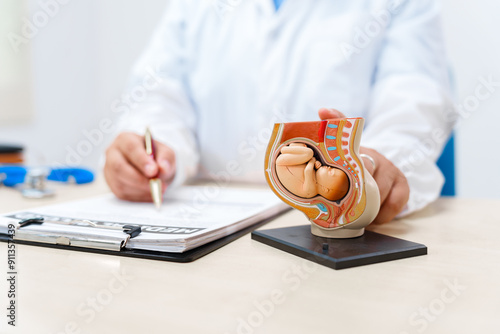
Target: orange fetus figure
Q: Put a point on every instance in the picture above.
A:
(302, 175)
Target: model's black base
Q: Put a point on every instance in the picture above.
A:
(339, 253)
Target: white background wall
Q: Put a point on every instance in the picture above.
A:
(471, 30)
(80, 64)
(81, 59)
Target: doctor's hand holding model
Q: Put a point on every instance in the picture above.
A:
(219, 74)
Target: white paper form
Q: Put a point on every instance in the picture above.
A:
(189, 217)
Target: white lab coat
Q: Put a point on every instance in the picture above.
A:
(227, 70)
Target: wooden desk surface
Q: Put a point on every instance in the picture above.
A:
(248, 287)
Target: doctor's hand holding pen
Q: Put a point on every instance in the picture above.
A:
(129, 169)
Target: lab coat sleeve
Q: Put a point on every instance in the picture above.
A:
(157, 95)
(411, 113)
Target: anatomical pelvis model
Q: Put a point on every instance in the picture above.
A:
(315, 167)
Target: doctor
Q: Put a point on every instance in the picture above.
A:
(226, 70)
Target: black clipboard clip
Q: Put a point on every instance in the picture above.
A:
(113, 243)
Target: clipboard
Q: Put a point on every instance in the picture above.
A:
(185, 257)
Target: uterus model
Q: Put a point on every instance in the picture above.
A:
(315, 167)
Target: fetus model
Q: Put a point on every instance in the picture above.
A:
(315, 167)
(303, 175)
